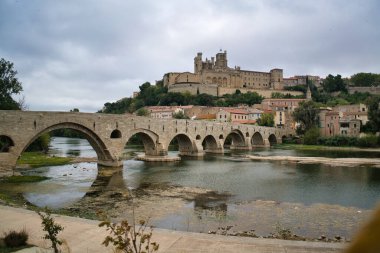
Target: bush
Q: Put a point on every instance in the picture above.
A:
(368, 141)
(16, 239)
(311, 136)
(127, 238)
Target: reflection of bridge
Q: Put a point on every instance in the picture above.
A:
(108, 134)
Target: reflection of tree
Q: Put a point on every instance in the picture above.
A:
(211, 204)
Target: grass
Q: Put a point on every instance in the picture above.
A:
(39, 159)
(24, 179)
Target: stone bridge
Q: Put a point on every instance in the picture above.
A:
(109, 133)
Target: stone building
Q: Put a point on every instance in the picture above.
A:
(342, 120)
(302, 80)
(214, 77)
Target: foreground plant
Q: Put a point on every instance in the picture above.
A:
(15, 239)
(126, 238)
(52, 229)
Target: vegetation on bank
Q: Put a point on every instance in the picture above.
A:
(313, 139)
(157, 95)
(39, 159)
(24, 179)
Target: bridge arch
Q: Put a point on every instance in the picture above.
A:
(115, 134)
(272, 139)
(237, 139)
(257, 139)
(186, 145)
(210, 144)
(96, 142)
(6, 143)
(148, 138)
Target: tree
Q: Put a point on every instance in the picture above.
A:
(365, 79)
(373, 104)
(307, 115)
(334, 83)
(9, 85)
(179, 115)
(311, 136)
(266, 119)
(142, 112)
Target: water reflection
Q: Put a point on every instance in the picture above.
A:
(107, 179)
(211, 205)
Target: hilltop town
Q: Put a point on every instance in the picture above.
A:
(216, 92)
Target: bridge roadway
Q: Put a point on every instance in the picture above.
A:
(109, 133)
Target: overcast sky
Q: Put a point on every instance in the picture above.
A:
(82, 54)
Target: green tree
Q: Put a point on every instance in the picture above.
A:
(307, 115)
(74, 110)
(311, 136)
(365, 79)
(333, 84)
(142, 112)
(266, 119)
(40, 144)
(9, 85)
(179, 115)
(373, 104)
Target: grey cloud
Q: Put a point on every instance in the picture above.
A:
(70, 54)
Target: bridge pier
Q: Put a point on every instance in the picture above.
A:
(110, 163)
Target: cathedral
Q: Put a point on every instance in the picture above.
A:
(214, 77)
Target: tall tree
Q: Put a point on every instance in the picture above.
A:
(373, 104)
(266, 119)
(9, 85)
(307, 115)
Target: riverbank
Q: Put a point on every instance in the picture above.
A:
(321, 147)
(347, 162)
(83, 235)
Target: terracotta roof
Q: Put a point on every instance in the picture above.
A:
(206, 116)
(244, 121)
(236, 111)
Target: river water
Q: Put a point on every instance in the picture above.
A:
(216, 191)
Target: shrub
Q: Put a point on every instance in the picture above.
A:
(368, 141)
(127, 238)
(311, 136)
(16, 239)
(51, 228)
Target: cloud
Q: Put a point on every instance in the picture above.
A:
(83, 55)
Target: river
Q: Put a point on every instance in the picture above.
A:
(216, 191)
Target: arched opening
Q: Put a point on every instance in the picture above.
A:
(234, 140)
(221, 137)
(69, 139)
(145, 139)
(209, 144)
(183, 143)
(116, 134)
(198, 137)
(272, 139)
(5, 143)
(246, 134)
(257, 139)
